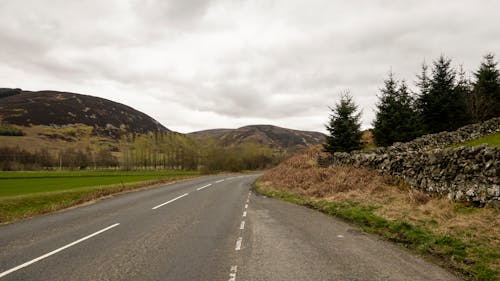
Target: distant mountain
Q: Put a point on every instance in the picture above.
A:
(109, 119)
(51, 108)
(273, 136)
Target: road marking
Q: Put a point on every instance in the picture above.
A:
(244, 213)
(248, 200)
(232, 273)
(246, 206)
(340, 236)
(238, 244)
(242, 225)
(56, 251)
(219, 181)
(200, 188)
(176, 198)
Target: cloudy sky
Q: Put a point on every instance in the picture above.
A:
(200, 64)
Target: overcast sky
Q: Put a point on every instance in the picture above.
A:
(200, 64)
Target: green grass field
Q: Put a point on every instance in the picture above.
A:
(491, 140)
(22, 183)
(27, 194)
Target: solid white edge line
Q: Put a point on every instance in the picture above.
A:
(242, 225)
(238, 244)
(170, 201)
(200, 188)
(56, 251)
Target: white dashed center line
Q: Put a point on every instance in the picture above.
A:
(232, 273)
(57, 250)
(200, 188)
(219, 181)
(176, 198)
(238, 243)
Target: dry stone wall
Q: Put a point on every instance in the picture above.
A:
(462, 173)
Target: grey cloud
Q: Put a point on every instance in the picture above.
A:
(172, 13)
(276, 61)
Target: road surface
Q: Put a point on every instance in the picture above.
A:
(211, 228)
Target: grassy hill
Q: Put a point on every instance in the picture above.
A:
(60, 109)
(275, 137)
(59, 129)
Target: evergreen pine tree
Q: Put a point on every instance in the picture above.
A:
(463, 90)
(423, 81)
(441, 108)
(344, 126)
(396, 119)
(484, 101)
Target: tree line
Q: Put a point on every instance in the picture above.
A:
(18, 159)
(176, 151)
(445, 99)
(152, 151)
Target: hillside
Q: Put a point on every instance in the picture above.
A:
(273, 136)
(51, 108)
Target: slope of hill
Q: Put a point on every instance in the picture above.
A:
(273, 136)
(51, 108)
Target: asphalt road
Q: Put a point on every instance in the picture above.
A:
(211, 228)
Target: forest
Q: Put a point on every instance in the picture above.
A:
(445, 98)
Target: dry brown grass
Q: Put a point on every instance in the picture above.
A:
(395, 200)
(301, 175)
(54, 139)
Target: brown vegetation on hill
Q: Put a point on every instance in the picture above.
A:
(51, 108)
(301, 175)
(35, 126)
(277, 138)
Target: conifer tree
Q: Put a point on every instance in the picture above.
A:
(344, 126)
(463, 90)
(396, 119)
(423, 83)
(484, 100)
(440, 107)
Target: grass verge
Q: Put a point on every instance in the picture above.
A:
(40, 193)
(491, 140)
(473, 259)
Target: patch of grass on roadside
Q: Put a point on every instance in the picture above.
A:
(27, 194)
(491, 140)
(469, 257)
